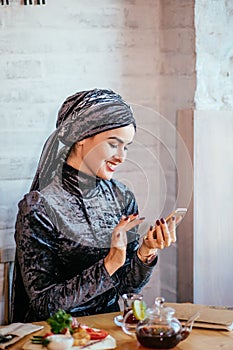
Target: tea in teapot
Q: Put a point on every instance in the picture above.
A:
(157, 327)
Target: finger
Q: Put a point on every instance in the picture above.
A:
(159, 235)
(152, 234)
(157, 224)
(124, 219)
(149, 240)
(134, 223)
(165, 232)
(131, 221)
(149, 235)
(172, 228)
(171, 223)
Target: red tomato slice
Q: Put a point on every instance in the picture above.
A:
(48, 334)
(96, 333)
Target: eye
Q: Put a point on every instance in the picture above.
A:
(113, 145)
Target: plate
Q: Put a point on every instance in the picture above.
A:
(107, 343)
(118, 320)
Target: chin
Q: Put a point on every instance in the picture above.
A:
(105, 176)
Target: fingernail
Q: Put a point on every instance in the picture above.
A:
(173, 218)
(151, 228)
(157, 222)
(163, 221)
(142, 218)
(135, 214)
(118, 235)
(126, 218)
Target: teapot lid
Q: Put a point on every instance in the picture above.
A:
(159, 310)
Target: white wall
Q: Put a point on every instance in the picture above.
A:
(213, 184)
(213, 142)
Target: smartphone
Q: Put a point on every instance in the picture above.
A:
(179, 213)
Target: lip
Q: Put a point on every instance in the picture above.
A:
(111, 166)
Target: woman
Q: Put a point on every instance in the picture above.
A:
(77, 246)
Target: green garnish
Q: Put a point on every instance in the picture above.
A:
(38, 339)
(60, 322)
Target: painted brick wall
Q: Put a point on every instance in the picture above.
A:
(45, 58)
(214, 55)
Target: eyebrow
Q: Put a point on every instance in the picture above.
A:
(118, 139)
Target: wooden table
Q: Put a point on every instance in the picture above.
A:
(198, 339)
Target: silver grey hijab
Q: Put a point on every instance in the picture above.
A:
(82, 115)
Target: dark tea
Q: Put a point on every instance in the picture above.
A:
(131, 318)
(157, 337)
(128, 300)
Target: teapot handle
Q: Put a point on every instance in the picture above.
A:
(186, 329)
(128, 328)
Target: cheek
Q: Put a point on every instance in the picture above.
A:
(98, 154)
(103, 152)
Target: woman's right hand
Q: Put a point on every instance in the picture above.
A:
(117, 253)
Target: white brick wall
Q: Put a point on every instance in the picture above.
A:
(44, 59)
(214, 55)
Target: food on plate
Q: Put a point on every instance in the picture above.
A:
(59, 342)
(67, 326)
(96, 334)
(81, 337)
(61, 322)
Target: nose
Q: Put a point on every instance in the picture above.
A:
(120, 155)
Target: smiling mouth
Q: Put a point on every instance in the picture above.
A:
(111, 166)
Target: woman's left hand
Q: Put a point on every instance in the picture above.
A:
(159, 236)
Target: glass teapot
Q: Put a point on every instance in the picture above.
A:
(159, 329)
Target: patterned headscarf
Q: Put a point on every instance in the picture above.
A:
(82, 115)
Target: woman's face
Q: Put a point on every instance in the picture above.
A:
(101, 154)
